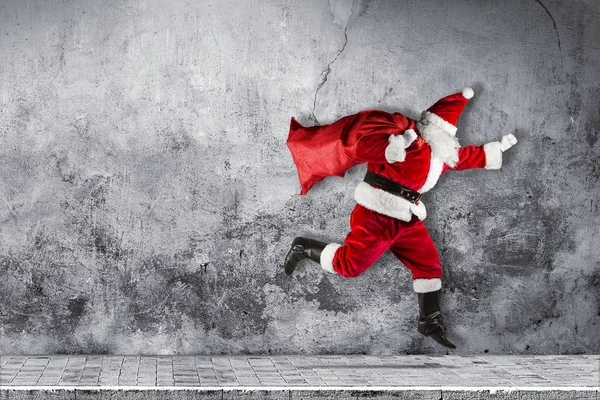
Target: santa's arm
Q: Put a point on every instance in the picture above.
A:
(385, 148)
(488, 156)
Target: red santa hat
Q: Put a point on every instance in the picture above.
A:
(445, 112)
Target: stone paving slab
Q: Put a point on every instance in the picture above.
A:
(300, 377)
(295, 394)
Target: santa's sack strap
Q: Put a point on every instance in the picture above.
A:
(392, 187)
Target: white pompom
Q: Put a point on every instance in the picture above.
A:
(468, 92)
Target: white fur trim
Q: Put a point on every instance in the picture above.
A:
(395, 151)
(493, 155)
(428, 116)
(468, 93)
(433, 175)
(387, 204)
(444, 149)
(327, 257)
(427, 285)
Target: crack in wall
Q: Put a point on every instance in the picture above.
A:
(327, 70)
(553, 24)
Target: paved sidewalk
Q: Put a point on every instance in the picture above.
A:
(346, 376)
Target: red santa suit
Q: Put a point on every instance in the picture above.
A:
(412, 154)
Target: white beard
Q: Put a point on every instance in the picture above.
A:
(444, 146)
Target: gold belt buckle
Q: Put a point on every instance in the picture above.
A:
(418, 198)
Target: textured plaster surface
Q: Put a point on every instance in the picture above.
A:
(147, 195)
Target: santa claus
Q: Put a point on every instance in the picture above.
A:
(405, 160)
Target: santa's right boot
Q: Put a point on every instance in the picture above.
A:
(430, 318)
(302, 248)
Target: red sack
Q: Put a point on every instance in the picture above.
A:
(330, 150)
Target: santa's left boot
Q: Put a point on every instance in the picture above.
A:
(302, 248)
(430, 318)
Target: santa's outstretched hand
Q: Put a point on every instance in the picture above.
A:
(507, 142)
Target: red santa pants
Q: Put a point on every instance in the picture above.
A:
(373, 233)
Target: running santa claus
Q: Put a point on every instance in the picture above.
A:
(405, 158)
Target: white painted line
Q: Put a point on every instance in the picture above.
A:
(311, 388)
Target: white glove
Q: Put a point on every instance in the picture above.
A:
(507, 142)
(409, 137)
(396, 150)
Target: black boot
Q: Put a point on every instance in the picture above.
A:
(430, 318)
(302, 248)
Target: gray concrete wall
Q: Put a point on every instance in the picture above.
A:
(146, 192)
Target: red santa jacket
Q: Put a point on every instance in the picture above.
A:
(379, 138)
(417, 167)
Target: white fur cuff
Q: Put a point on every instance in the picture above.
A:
(327, 257)
(427, 285)
(493, 155)
(395, 152)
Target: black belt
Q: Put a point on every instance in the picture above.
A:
(392, 187)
